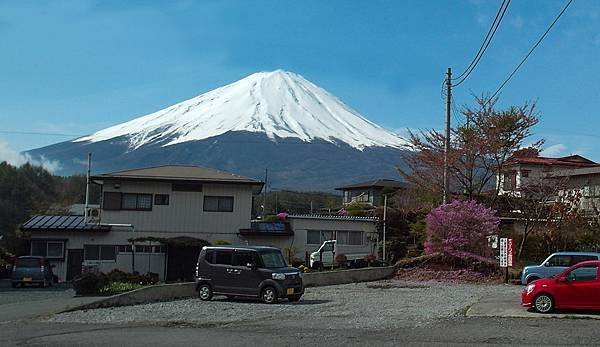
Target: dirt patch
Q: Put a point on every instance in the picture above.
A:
(396, 285)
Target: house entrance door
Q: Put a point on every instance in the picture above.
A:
(74, 262)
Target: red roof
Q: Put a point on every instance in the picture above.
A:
(572, 160)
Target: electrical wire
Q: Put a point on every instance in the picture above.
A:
(530, 51)
(484, 41)
(485, 44)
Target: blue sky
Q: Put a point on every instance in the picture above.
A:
(74, 67)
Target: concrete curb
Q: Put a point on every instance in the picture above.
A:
(159, 292)
(316, 279)
(174, 291)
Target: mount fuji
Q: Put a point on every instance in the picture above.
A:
(307, 138)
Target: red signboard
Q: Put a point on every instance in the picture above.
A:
(510, 251)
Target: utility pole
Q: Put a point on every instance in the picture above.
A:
(87, 189)
(384, 222)
(447, 139)
(265, 192)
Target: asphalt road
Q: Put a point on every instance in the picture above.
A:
(464, 331)
(31, 302)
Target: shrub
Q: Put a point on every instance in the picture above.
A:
(89, 283)
(370, 258)
(221, 243)
(460, 226)
(341, 260)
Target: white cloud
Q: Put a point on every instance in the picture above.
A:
(15, 158)
(554, 150)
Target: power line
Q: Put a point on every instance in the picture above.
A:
(530, 51)
(485, 44)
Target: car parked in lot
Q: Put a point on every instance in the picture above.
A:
(555, 264)
(32, 270)
(577, 287)
(248, 271)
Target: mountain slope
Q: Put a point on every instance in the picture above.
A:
(306, 137)
(279, 103)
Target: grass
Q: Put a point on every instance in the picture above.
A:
(120, 287)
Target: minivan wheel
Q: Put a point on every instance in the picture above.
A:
(205, 292)
(543, 303)
(268, 295)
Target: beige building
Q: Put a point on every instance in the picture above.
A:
(150, 220)
(157, 219)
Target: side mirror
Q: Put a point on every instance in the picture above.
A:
(251, 266)
(562, 279)
(547, 264)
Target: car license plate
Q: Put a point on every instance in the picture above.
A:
(290, 291)
(26, 279)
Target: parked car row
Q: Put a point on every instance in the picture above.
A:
(565, 280)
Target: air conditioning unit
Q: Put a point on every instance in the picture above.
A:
(93, 215)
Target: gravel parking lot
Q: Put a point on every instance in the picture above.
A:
(373, 306)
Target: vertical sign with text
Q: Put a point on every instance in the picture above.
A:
(503, 252)
(510, 251)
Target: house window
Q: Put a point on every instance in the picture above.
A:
(100, 252)
(124, 248)
(525, 173)
(161, 199)
(186, 187)
(55, 249)
(353, 238)
(509, 180)
(313, 237)
(137, 202)
(218, 203)
(48, 249)
(111, 201)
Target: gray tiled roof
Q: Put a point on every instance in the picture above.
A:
(179, 173)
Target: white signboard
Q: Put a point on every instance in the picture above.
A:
(510, 251)
(503, 252)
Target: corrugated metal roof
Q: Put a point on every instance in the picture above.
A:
(334, 217)
(179, 173)
(61, 223)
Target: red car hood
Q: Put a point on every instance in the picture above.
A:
(542, 281)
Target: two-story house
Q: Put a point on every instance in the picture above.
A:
(519, 172)
(150, 220)
(369, 193)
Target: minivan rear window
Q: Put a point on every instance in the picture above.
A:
(29, 262)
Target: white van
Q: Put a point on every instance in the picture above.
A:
(325, 255)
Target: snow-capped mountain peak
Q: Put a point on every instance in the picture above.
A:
(280, 104)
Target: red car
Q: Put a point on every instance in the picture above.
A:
(577, 287)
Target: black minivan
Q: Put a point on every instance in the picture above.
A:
(249, 271)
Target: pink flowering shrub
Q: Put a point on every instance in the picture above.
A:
(460, 226)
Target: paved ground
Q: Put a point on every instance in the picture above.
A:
(382, 313)
(506, 304)
(31, 302)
